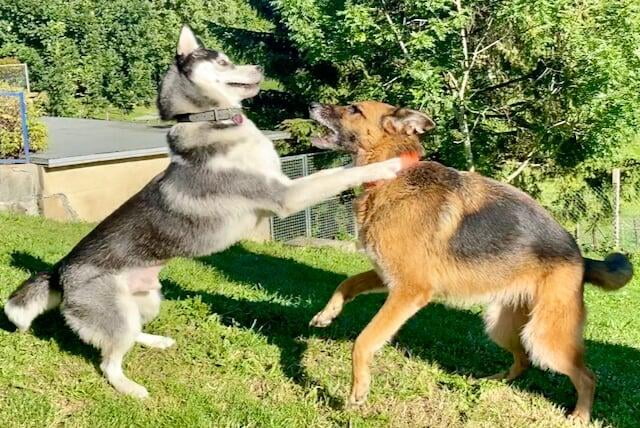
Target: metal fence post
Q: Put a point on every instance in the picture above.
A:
(307, 211)
(26, 78)
(615, 179)
(25, 129)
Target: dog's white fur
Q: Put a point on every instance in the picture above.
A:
(23, 316)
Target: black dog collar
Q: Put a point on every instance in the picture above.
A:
(215, 115)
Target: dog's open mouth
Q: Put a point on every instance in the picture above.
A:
(327, 140)
(243, 85)
(329, 136)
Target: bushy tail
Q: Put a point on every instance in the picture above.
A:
(611, 273)
(35, 296)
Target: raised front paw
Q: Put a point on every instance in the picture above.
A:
(321, 319)
(388, 169)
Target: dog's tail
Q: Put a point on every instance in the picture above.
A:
(35, 296)
(612, 273)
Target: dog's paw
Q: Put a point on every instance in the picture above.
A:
(503, 375)
(356, 400)
(154, 341)
(129, 387)
(580, 416)
(409, 159)
(359, 393)
(387, 170)
(321, 320)
(163, 342)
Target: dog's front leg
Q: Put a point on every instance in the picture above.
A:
(307, 191)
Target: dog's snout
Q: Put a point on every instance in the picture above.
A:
(315, 110)
(260, 68)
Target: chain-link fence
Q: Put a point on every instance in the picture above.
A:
(15, 76)
(332, 219)
(601, 218)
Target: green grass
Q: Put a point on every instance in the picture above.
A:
(245, 356)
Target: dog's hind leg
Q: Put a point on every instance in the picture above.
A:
(504, 324)
(401, 304)
(553, 336)
(149, 306)
(111, 366)
(103, 313)
(365, 282)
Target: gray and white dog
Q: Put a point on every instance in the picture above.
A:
(224, 176)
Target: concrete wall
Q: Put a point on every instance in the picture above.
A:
(93, 191)
(88, 192)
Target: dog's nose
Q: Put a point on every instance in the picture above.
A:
(259, 68)
(314, 106)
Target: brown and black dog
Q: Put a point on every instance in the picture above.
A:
(435, 232)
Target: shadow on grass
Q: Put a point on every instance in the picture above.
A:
(454, 339)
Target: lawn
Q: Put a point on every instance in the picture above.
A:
(246, 357)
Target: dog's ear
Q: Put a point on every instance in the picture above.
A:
(407, 121)
(187, 42)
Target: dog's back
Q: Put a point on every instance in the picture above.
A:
(476, 237)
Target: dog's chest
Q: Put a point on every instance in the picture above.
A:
(369, 208)
(253, 155)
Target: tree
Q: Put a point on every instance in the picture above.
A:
(511, 83)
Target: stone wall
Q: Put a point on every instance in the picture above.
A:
(20, 187)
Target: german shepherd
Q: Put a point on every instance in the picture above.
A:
(224, 177)
(435, 232)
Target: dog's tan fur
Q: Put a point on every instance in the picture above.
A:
(407, 226)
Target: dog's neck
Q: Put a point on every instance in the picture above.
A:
(385, 150)
(407, 148)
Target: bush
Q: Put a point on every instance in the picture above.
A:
(11, 144)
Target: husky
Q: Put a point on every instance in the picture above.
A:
(223, 178)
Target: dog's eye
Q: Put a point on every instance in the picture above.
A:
(355, 110)
(223, 62)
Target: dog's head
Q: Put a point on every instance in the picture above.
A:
(370, 127)
(202, 78)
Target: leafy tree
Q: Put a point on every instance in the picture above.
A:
(88, 54)
(511, 84)
(520, 89)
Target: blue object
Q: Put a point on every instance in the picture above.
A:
(22, 105)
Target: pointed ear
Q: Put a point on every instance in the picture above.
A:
(407, 121)
(187, 42)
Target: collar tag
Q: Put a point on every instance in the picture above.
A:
(408, 159)
(237, 118)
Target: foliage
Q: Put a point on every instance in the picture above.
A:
(554, 83)
(301, 131)
(11, 141)
(89, 54)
